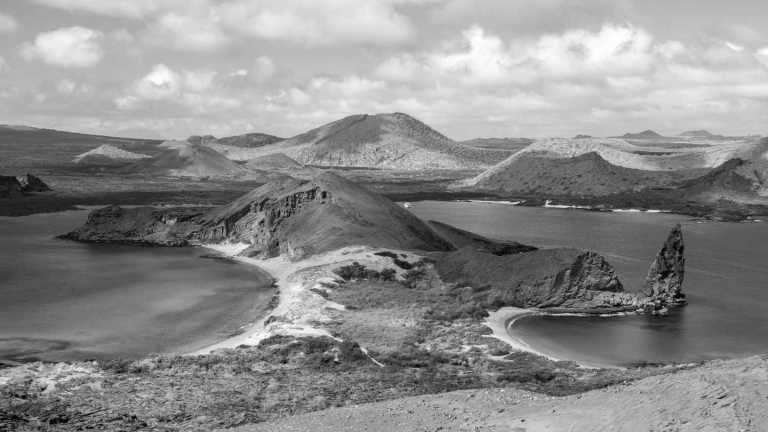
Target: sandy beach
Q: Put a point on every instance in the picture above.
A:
(500, 320)
(300, 310)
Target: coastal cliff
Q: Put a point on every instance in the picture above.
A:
(139, 225)
(301, 218)
(565, 279)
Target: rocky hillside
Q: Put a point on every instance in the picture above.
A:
(183, 159)
(512, 145)
(391, 141)
(249, 140)
(291, 217)
(564, 279)
(274, 162)
(584, 175)
(297, 219)
(107, 154)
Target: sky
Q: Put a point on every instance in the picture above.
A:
(468, 68)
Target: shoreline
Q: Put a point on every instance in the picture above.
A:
(500, 321)
(299, 309)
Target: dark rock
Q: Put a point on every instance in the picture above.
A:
(565, 278)
(139, 225)
(31, 183)
(461, 238)
(10, 187)
(665, 277)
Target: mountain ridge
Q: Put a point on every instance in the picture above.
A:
(389, 141)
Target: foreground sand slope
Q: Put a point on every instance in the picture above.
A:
(723, 395)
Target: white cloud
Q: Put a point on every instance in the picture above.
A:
(194, 90)
(263, 69)
(8, 24)
(734, 47)
(208, 24)
(479, 58)
(66, 86)
(762, 56)
(188, 32)
(122, 36)
(198, 81)
(314, 22)
(66, 47)
(3, 64)
(160, 83)
(121, 8)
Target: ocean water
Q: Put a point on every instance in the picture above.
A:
(726, 281)
(63, 300)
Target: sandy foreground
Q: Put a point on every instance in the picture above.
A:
(724, 395)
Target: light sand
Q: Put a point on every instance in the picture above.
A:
(500, 320)
(300, 311)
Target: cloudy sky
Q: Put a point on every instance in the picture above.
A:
(171, 68)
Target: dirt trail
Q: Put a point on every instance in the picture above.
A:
(719, 396)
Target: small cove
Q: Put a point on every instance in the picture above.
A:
(64, 300)
(726, 281)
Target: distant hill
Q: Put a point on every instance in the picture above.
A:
(389, 141)
(505, 144)
(584, 175)
(183, 159)
(646, 134)
(107, 154)
(23, 147)
(274, 162)
(740, 179)
(249, 140)
(701, 133)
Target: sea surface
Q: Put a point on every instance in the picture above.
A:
(63, 300)
(726, 281)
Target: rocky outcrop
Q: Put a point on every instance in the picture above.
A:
(300, 218)
(547, 278)
(14, 187)
(294, 218)
(561, 280)
(31, 183)
(664, 282)
(139, 225)
(9, 187)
